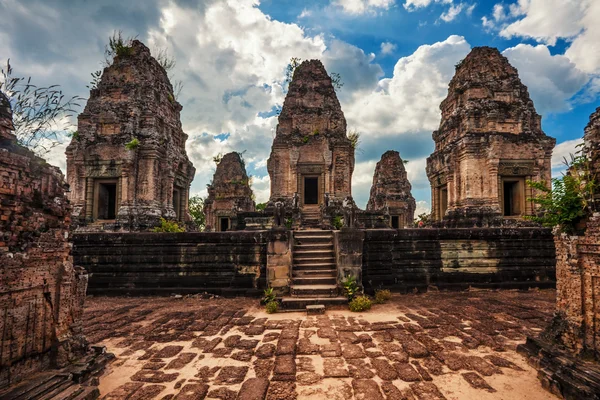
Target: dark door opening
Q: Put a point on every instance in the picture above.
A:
(176, 203)
(107, 200)
(512, 204)
(395, 222)
(443, 201)
(311, 190)
(224, 224)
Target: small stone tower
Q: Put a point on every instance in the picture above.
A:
(228, 194)
(127, 165)
(390, 192)
(489, 143)
(311, 154)
(592, 150)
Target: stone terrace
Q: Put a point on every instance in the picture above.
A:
(429, 346)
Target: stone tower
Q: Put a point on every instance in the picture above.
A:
(390, 192)
(489, 143)
(228, 194)
(592, 149)
(131, 186)
(311, 154)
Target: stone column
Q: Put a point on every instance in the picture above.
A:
(279, 260)
(349, 253)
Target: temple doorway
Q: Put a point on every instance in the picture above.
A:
(513, 197)
(311, 190)
(223, 224)
(106, 200)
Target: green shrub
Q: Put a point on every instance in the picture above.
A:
(382, 295)
(350, 286)
(134, 144)
(338, 222)
(569, 200)
(360, 303)
(289, 223)
(269, 296)
(167, 226)
(272, 307)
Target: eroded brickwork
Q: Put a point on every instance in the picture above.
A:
(488, 145)
(130, 188)
(311, 154)
(391, 191)
(41, 292)
(228, 195)
(578, 271)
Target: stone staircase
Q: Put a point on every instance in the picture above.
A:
(314, 271)
(311, 217)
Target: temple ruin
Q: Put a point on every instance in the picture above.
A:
(311, 157)
(126, 164)
(390, 192)
(41, 291)
(488, 145)
(229, 194)
(568, 350)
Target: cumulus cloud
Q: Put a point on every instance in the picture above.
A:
(561, 152)
(358, 7)
(552, 80)
(412, 5)
(408, 101)
(452, 12)
(546, 21)
(387, 48)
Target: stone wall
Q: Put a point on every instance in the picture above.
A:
(41, 293)
(406, 259)
(165, 263)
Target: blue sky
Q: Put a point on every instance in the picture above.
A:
(396, 58)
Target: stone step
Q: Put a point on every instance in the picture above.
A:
(314, 272)
(318, 253)
(314, 290)
(314, 280)
(301, 239)
(304, 248)
(314, 266)
(299, 303)
(311, 260)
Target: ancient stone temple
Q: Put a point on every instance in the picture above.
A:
(489, 143)
(228, 194)
(41, 292)
(390, 192)
(311, 154)
(126, 164)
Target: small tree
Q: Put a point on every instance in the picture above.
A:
(39, 113)
(196, 207)
(261, 206)
(569, 200)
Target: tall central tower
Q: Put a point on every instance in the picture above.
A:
(311, 154)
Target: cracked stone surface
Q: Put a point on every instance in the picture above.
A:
(428, 346)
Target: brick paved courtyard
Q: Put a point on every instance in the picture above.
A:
(428, 346)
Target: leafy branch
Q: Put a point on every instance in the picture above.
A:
(39, 112)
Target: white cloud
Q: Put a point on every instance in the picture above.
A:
(552, 80)
(561, 152)
(408, 101)
(388, 48)
(452, 12)
(412, 5)
(358, 7)
(423, 207)
(546, 21)
(305, 13)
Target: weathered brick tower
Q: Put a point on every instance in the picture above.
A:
(489, 143)
(127, 165)
(391, 191)
(311, 154)
(228, 194)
